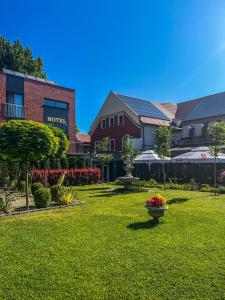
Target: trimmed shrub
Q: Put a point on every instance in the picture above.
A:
(221, 189)
(56, 191)
(35, 186)
(206, 188)
(42, 197)
(152, 182)
(72, 176)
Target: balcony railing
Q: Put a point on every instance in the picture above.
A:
(13, 111)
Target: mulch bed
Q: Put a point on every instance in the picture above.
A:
(23, 210)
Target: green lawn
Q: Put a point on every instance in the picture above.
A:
(108, 249)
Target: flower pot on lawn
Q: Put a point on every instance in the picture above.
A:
(156, 207)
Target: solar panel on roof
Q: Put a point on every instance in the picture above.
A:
(144, 108)
(208, 106)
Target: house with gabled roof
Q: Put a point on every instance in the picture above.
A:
(121, 115)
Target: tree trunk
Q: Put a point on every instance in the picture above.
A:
(27, 186)
(164, 176)
(215, 179)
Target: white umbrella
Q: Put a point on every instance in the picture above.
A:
(198, 155)
(149, 157)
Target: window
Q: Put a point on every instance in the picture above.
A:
(111, 122)
(116, 120)
(14, 106)
(103, 124)
(112, 145)
(16, 99)
(121, 119)
(57, 104)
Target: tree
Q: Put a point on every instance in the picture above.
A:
(15, 57)
(217, 132)
(26, 141)
(128, 155)
(104, 158)
(77, 130)
(163, 145)
(63, 141)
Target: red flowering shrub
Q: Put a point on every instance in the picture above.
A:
(72, 176)
(156, 201)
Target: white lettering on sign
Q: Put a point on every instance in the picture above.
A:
(56, 120)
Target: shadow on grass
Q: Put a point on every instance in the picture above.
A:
(177, 201)
(116, 191)
(94, 189)
(143, 225)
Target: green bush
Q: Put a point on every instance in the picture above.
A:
(221, 189)
(206, 188)
(62, 194)
(42, 197)
(22, 186)
(35, 186)
(136, 189)
(152, 182)
(56, 191)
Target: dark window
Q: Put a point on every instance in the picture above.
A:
(103, 124)
(16, 99)
(57, 104)
(111, 122)
(112, 145)
(121, 119)
(116, 120)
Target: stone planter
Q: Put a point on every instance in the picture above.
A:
(156, 212)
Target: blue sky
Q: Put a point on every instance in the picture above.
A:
(170, 50)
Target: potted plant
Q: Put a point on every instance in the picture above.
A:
(156, 207)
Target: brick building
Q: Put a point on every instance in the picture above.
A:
(139, 118)
(31, 98)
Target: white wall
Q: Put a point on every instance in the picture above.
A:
(149, 135)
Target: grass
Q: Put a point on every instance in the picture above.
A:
(109, 249)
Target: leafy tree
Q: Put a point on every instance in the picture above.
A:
(163, 145)
(63, 140)
(77, 130)
(128, 154)
(103, 157)
(26, 141)
(217, 131)
(15, 57)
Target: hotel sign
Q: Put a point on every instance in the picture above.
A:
(57, 117)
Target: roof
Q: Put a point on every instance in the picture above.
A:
(83, 138)
(185, 108)
(143, 107)
(213, 105)
(10, 72)
(151, 121)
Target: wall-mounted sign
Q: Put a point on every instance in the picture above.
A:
(57, 117)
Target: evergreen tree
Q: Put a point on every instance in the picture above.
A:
(15, 57)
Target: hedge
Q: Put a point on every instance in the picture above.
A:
(72, 176)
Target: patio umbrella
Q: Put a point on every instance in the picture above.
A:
(149, 157)
(198, 155)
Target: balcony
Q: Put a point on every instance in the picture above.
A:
(12, 111)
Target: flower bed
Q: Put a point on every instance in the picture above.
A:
(72, 176)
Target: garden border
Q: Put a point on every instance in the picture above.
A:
(42, 209)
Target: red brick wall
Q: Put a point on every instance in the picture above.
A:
(2, 93)
(34, 95)
(117, 132)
